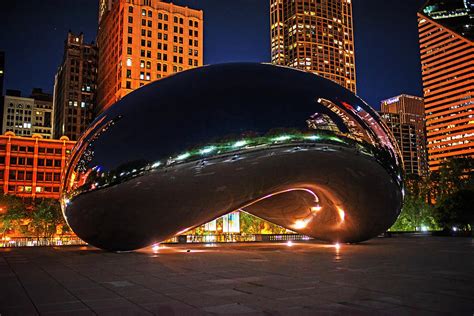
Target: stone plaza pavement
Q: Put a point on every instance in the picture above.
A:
(385, 276)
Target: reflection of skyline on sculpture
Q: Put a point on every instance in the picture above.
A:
(223, 136)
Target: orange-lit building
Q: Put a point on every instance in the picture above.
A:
(32, 166)
(446, 31)
(315, 36)
(141, 41)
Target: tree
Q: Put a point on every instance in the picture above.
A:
(456, 210)
(13, 212)
(454, 175)
(416, 214)
(46, 218)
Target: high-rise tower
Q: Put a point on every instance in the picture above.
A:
(141, 41)
(446, 31)
(316, 36)
(75, 88)
(404, 115)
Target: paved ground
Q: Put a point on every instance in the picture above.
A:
(392, 276)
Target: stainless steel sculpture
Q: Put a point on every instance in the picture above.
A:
(285, 145)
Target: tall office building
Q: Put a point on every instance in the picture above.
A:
(404, 115)
(141, 41)
(315, 36)
(28, 116)
(446, 31)
(75, 87)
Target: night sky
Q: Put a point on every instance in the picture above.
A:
(32, 34)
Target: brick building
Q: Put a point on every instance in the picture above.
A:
(32, 167)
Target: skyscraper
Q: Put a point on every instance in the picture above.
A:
(315, 36)
(75, 87)
(141, 41)
(28, 116)
(446, 31)
(404, 115)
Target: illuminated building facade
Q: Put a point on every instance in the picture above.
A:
(28, 116)
(32, 166)
(75, 87)
(315, 36)
(446, 33)
(141, 41)
(404, 115)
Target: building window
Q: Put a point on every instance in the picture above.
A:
(128, 85)
(130, 9)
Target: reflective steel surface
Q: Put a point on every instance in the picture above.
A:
(285, 145)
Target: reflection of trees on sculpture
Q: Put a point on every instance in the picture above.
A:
(253, 225)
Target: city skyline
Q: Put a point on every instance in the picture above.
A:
(381, 38)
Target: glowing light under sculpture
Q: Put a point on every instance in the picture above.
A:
(285, 145)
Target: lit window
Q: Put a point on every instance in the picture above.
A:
(129, 62)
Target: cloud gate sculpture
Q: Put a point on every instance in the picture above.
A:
(284, 145)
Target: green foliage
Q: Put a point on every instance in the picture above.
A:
(450, 190)
(250, 224)
(13, 212)
(456, 210)
(46, 218)
(455, 175)
(41, 217)
(416, 214)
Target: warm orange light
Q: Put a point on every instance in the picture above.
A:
(342, 214)
(316, 209)
(299, 224)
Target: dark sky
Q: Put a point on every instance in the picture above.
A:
(32, 34)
